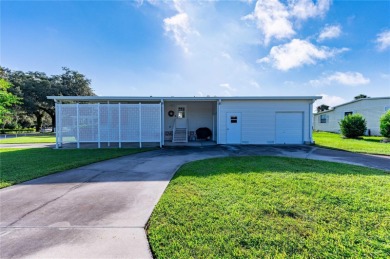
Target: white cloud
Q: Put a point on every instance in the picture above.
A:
(330, 32)
(272, 20)
(383, 40)
(349, 78)
(330, 100)
(254, 84)
(179, 26)
(304, 9)
(228, 89)
(344, 78)
(227, 86)
(276, 20)
(298, 53)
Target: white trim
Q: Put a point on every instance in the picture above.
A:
(158, 99)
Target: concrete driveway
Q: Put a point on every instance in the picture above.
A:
(100, 210)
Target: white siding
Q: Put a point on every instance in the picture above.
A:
(259, 119)
(371, 109)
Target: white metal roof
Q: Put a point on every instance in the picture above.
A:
(354, 101)
(172, 98)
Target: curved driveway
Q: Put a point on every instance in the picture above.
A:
(100, 210)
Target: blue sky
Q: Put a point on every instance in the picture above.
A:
(337, 49)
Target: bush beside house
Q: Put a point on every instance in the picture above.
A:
(385, 124)
(353, 126)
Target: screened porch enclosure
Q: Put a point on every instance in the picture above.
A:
(108, 123)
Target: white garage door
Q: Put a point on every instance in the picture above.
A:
(289, 128)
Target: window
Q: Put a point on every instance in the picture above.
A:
(347, 113)
(323, 118)
(181, 112)
(233, 119)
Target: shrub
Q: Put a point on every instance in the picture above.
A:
(353, 126)
(385, 124)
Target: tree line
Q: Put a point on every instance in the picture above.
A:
(23, 95)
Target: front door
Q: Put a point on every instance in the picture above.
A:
(233, 129)
(181, 116)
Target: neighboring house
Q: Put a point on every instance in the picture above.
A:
(231, 120)
(371, 109)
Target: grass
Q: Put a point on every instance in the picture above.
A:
(19, 165)
(30, 139)
(368, 145)
(268, 207)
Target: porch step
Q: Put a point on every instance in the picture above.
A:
(180, 135)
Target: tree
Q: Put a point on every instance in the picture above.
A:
(385, 124)
(353, 126)
(360, 96)
(34, 87)
(70, 83)
(7, 100)
(322, 107)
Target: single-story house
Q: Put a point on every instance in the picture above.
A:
(370, 108)
(163, 120)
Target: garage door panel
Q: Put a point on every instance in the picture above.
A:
(289, 128)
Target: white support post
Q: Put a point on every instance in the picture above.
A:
(109, 124)
(57, 114)
(59, 125)
(162, 126)
(140, 126)
(78, 125)
(218, 122)
(213, 118)
(98, 119)
(119, 125)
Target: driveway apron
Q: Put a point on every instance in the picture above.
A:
(95, 211)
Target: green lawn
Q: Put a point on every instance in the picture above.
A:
(369, 145)
(268, 207)
(19, 165)
(30, 139)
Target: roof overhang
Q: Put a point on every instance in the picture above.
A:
(158, 99)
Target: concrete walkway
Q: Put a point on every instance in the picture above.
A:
(100, 210)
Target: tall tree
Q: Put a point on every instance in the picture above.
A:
(34, 87)
(7, 100)
(69, 83)
(360, 96)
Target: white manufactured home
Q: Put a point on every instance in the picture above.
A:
(166, 120)
(370, 108)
